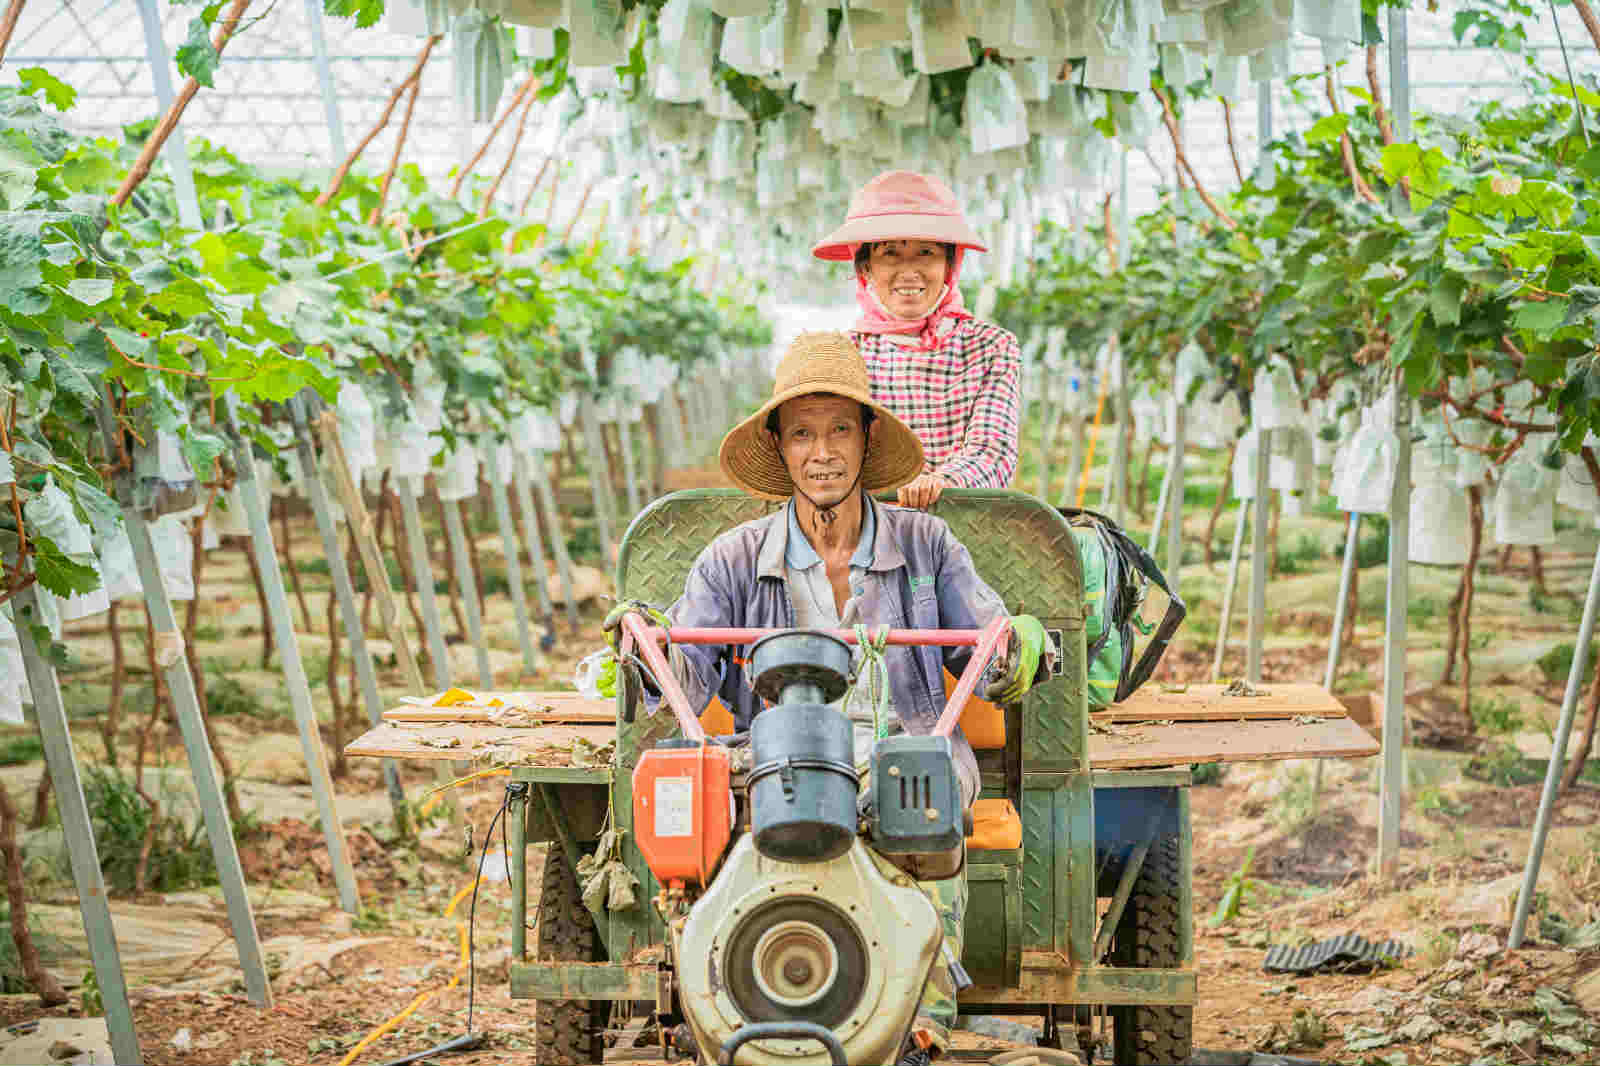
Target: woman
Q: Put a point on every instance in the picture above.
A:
(950, 377)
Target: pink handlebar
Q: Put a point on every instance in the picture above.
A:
(988, 642)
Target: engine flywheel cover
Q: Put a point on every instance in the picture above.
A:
(797, 958)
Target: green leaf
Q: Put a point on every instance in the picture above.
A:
(365, 12)
(91, 291)
(59, 573)
(38, 80)
(1541, 319)
(1444, 300)
(196, 57)
(1327, 128)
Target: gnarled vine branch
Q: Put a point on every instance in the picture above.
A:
(1183, 162)
(511, 156)
(1347, 149)
(383, 120)
(169, 121)
(494, 131)
(8, 25)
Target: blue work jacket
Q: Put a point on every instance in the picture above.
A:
(920, 577)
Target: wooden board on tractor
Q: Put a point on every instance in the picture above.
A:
(1077, 859)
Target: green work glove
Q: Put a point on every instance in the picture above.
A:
(1027, 644)
(613, 620)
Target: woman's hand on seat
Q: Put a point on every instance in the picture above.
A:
(923, 492)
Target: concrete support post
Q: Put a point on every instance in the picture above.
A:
(1552, 773)
(467, 583)
(78, 829)
(1397, 594)
(1175, 496)
(294, 680)
(599, 474)
(330, 94)
(513, 551)
(558, 538)
(535, 543)
(175, 151)
(422, 572)
(1262, 505)
(1224, 624)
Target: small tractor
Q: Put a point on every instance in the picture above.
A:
(778, 920)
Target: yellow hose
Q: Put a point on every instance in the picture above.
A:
(1094, 435)
(432, 795)
(423, 997)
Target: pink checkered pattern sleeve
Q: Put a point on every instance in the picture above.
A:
(961, 399)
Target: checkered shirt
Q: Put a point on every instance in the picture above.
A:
(960, 399)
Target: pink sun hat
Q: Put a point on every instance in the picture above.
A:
(899, 205)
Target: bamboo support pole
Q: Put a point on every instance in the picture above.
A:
(494, 131)
(169, 121)
(511, 157)
(1233, 150)
(376, 213)
(362, 526)
(8, 25)
(383, 120)
(1183, 161)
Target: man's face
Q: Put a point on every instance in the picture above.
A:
(822, 443)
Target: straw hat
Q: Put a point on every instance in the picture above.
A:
(827, 363)
(900, 205)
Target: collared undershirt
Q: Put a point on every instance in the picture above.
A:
(812, 595)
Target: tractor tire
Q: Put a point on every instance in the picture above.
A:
(1147, 936)
(566, 1032)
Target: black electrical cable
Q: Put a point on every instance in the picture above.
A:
(470, 1039)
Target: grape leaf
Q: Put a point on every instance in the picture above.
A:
(38, 80)
(196, 57)
(365, 12)
(58, 572)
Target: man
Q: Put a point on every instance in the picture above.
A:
(832, 558)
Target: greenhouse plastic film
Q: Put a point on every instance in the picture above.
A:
(939, 32)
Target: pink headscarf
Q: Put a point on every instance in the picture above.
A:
(875, 318)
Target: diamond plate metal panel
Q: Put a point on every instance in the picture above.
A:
(1038, 864)
(1055, 715)
(1022, 547)
(663, 542)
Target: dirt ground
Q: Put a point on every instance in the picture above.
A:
(1302, 858)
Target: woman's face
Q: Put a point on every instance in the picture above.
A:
(907, 276)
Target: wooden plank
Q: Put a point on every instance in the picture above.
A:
(1206, 703)
(544, 745)
(1150, 744)
(539, 706)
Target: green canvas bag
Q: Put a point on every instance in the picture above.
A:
(1117, 574)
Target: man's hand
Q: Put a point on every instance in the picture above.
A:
(613, 620)
(1028, 642)
(924, 492)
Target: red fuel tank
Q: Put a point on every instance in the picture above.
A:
(683, 809)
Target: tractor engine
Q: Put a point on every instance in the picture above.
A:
(846, 944)
(806, 946)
